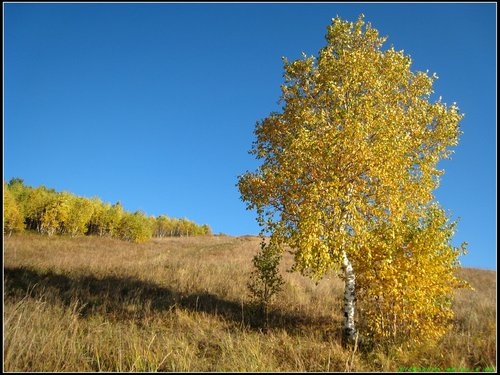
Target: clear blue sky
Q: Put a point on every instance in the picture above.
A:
(154, 105)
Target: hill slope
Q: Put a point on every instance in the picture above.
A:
(181, 304)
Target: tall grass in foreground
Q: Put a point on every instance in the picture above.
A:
(181, 304)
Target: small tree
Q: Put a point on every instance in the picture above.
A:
(160, 226)
(79, 216)
(351, 160)
(135, 227)
(36, 202)
(97, 224)
(266, 280)
(56, 214)
(112, 219)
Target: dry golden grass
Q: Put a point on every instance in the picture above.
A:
(181, 304)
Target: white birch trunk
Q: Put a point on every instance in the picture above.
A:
(349, 328)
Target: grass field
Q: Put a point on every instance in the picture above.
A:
(181, 304)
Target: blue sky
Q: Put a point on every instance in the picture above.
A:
(154, 105)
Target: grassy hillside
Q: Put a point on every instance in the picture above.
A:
(181, 304)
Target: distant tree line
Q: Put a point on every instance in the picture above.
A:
(50, 212)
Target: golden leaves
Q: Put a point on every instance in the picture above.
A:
(350, 165)
(415, 287)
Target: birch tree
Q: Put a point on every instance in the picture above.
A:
(12, 216)
(352, 155)
(135, 227)
(79, 216)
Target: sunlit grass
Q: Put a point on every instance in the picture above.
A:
(181, 304)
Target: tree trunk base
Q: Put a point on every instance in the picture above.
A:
(349, 337)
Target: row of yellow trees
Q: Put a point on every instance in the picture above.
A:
(46, 211)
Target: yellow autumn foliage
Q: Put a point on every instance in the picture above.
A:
(349, 165)
(407, 278)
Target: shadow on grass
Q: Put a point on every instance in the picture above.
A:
(128, 298)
